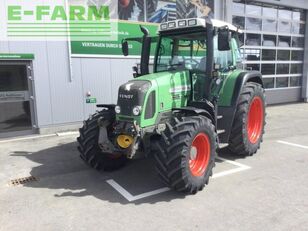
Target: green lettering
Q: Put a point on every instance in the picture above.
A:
(77, 13)
(59, 13)
(94, 14)
(14, 12)
(41, 11)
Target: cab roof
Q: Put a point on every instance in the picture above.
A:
(196, 22)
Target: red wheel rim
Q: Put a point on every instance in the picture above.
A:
(255, 120)
(199, 154)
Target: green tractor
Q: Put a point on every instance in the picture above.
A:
(197, 100)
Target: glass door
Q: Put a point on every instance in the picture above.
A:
(15, 101)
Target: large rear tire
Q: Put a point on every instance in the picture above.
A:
(89, 149)
(249, 122)
(185, 153)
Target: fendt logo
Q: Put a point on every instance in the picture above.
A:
(77, 20)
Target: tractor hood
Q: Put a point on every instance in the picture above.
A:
(153, 94)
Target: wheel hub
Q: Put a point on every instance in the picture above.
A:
(193, 153)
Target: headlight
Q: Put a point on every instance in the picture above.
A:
(117, 109)
(137, 110)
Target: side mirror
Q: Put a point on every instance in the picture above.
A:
(224, 38)
(125, 48)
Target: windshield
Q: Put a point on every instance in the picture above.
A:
(180, 52)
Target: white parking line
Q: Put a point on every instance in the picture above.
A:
(292, 144)
(128, 196)
(241, 167)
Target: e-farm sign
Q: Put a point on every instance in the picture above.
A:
(74, 20)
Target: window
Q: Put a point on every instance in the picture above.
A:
(284, 41)
(239, 7)
(273, 41)
(253, 24)
(285, 14)
(297, 55)
(239, 21)
(268, 69)
(269, 55)
(295, 81)
(282, 82)
(180, 52)
(283, 55)
(269, 25)
(297, 42)
(283, 69)
(296, 69)
(269, 40)
(253, 40)
(269, 82)
(253, 9)
(284, 27)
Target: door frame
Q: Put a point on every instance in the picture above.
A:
(30, 80)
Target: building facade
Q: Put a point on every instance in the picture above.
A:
(51, 86)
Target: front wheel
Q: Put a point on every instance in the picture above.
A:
(185, 153)
(89, 149)
(249, 122)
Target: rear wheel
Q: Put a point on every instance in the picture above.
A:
(89, 149)
(185, 153)
(249, 122)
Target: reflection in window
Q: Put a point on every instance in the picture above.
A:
(283, 55)
(270, 11)
(285, 14)
(238, 7)
(298, 28)
(269, 40)
(270, 25)
(299, 15)
(253, 10)
(253, 67)
(295, 81)
(297, 55)
(253, 40)
(297, 42)
(284, 27)
(268, 69)
(269, 83)
(284, 41)
(269, 55)
(296, 69)
(239, 21)
(253, 54)
(282, 82)
(283, 69)
(253, 24)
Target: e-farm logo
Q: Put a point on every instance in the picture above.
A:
(78, 22)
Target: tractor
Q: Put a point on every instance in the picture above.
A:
(197, 99)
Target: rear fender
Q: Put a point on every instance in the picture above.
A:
(228, 111)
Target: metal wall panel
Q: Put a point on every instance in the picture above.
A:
(66, 97)
(95, 74)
